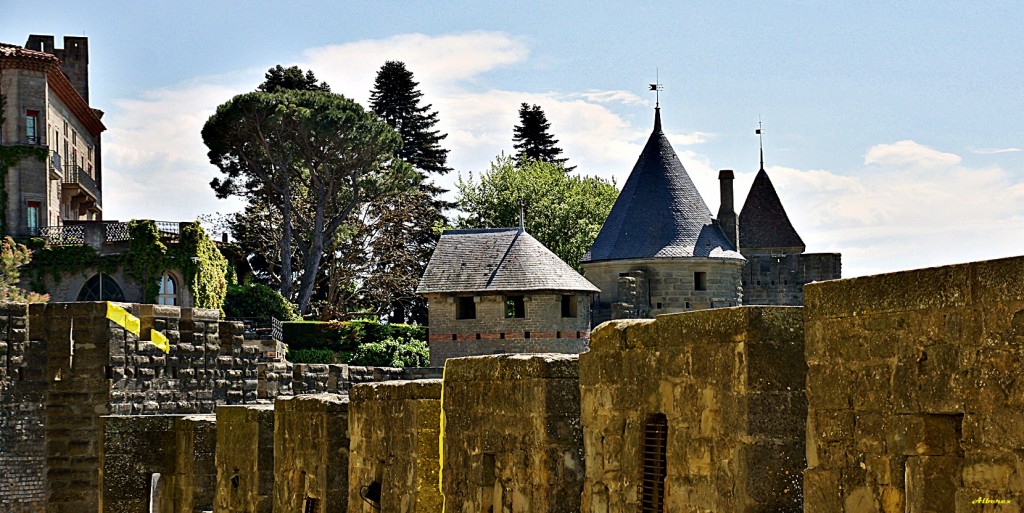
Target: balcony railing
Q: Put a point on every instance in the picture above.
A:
(75, 175)
(102, 232)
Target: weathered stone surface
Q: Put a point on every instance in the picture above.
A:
(245, 459)
(311, 448)
(511, 434)
(926, 364)
(394, 429)
(729, 383)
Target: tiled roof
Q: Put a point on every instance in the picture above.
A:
(495, 260)
(659, 213)
(763, 220)
(9, 50)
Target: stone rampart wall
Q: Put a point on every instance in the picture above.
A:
(394, 429)
(311, 447)
(727, 386)
(512, 439)
(23, 386)
(914, 388)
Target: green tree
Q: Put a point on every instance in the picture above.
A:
(317, 157)
(12, 257)
(399, 233)
(280, 78)
(531, 137)
(564, 212)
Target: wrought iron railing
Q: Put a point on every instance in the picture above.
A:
(76, 175)
(72, 235)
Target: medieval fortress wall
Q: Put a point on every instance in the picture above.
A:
(884, 394)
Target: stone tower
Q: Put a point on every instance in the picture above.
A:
(777, 267)
(660, 250)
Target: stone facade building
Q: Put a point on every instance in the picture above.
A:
(660, 250)
(55, 174)
(501, 291)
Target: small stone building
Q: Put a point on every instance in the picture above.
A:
(777, 267)
(660, 250)
(697, 411)
(501, 291)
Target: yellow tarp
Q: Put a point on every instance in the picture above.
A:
(123, 318)
(131, 323)
(160, 341)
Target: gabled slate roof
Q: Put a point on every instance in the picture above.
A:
(496, 260)
(659, 213)
(763, 220)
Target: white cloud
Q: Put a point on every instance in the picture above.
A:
(993, 151)
(909, 154)
(892, 216)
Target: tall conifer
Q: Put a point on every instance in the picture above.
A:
(532, 139)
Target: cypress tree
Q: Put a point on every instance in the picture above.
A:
(531, 137)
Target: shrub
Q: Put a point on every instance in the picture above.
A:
(392, 353)
(311, 356)
(346, 335)
(257, 301)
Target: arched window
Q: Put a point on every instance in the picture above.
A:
(168, 294)
(101, 288)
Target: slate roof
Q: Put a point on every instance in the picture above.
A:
(659, 213)
(763, 220)
(496, 260)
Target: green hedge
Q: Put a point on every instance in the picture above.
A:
(346, 335)
(362, 342)
(257, 301)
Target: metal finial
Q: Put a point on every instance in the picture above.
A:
(657, 88)
(522, 216)
(760, 140)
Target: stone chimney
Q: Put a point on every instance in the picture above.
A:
(727, 218)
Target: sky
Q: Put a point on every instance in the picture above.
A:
(893, 131)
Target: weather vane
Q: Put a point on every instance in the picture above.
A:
(657, 88)
(760, 140)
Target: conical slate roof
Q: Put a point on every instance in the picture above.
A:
(659, 213)
(496, 260)
(763, 220)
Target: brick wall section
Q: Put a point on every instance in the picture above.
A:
(914, 390)
(180, 448)
(512, 434)
(394, 429)
(483, 335)
(779, 279)
(245, 459)
(311, 452)
(730, 385)
(22, 418)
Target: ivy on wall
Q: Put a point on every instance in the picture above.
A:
(195, 255)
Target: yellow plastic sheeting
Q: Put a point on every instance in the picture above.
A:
(123, 318)
(160, 341)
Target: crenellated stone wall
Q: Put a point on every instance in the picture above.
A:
(512, 439)
(245, 459)
(23, 386)
(394, 429)
(778, 278)
(697, 411)
(311, 448)
(915, 392)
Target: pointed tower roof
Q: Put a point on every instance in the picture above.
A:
(763, 220)
(659, 213)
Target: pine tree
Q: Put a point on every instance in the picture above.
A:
(397, 101)
(403, 227)
(532, 139)
(280, 78)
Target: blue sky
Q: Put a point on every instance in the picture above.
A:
(893, 133)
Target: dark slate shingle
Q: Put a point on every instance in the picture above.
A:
(494, 260)
(659, 213)
(763, 220)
